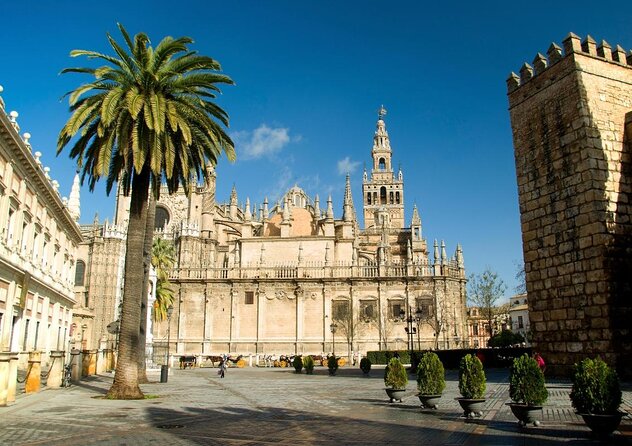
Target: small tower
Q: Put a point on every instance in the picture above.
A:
(233, 203)
(74, 205)
(348, 213)
(383, 190)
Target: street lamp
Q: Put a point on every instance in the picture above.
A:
(333, 327)
(418, 318)
(410, 333)
(164, 370)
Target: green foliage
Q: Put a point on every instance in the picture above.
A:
(430, 375)
(384, 356)
(162, 259)
(471, 377)
(526, 382)
(365, 365)
(298, 364)
(308, 363)
(332, 364)
(505, 338)
(596, 388)
(395, 375)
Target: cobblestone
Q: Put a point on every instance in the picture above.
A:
(255, 406)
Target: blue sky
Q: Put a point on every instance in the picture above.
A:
(310, 77)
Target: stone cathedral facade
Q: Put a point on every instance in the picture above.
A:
(272, 278)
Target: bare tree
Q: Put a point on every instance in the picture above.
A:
(435, 316)
(485, 290)
(521, 287)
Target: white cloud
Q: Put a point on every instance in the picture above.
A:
(345, 166)
(263, 141)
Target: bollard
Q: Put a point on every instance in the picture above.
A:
(92, 362)
(56, 370)
(75, 358)
(33, 373)
(164, 373)
(13, 377)
(5, 358)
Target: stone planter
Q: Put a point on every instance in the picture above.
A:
(429, 401)
(602, 425)
(395, 394)
(525, 413)
(472, 407)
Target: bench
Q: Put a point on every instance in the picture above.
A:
(187, 361)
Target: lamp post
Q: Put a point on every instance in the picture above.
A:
(333, 327)
(164, 370)
(418, 318)
(410, 333)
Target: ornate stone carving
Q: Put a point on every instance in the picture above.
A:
(280, 294)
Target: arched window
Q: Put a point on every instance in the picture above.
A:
(397, 197)
(162, 217)
(368, 198)
(381, 164)
(80, 272)
(383, 195)
(390, 197)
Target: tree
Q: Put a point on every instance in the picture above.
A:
(147, 118)
(162, 259)
(521, 279)
(485, 290)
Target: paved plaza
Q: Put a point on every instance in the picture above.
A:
(254, 406)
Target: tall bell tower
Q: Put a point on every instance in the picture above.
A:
(383, 194)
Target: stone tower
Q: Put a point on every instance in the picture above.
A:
(383, 194)
(571, 116)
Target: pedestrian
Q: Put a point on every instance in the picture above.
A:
(540, 360)
(222, 368)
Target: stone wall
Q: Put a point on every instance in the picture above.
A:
(568, 116)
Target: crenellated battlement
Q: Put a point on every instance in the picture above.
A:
(572, 44)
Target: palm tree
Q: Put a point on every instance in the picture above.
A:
(162, 259)
(147, 118)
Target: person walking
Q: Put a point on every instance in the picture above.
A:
(222, 368)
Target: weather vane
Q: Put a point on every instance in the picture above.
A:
(381, 112)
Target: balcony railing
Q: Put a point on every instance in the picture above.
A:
(317, 270)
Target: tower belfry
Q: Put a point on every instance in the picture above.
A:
(383, 193)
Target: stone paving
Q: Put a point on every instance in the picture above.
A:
(259, 406)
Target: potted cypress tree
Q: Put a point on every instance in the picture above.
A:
(332, 365)
(365, 365)
(395, 379)
(430, 380)
(527, 390)
(471, 386)
(308, 363)
(596, 395)
(298, 363)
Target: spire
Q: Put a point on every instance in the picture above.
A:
(347, 207)
(74, 206)
(286, 211)
(233, 196)
(317, 207)
(459, 256)
(247, 213)
(416, 219)
(266, 213)
(330, 209)
(380, 140)
(444, 256)
(436, 252)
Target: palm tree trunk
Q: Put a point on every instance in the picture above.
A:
(125, 384)
(149, 240)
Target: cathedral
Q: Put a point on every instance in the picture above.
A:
(290, 277)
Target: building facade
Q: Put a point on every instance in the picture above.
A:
(519, 316)
(571, 116)
(291, 278)
(39, 237)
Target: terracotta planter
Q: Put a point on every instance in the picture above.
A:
(395, 394)
(429, 401)
(525, 413)
(472, 407)
(602, 425)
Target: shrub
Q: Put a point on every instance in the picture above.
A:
(298, 364)
(526, 382)
(430, 375)
(395, 375)
(471, 377)
(505, 338)
(595, 388)
(365, 365)
(332, 364)
(308, 363)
